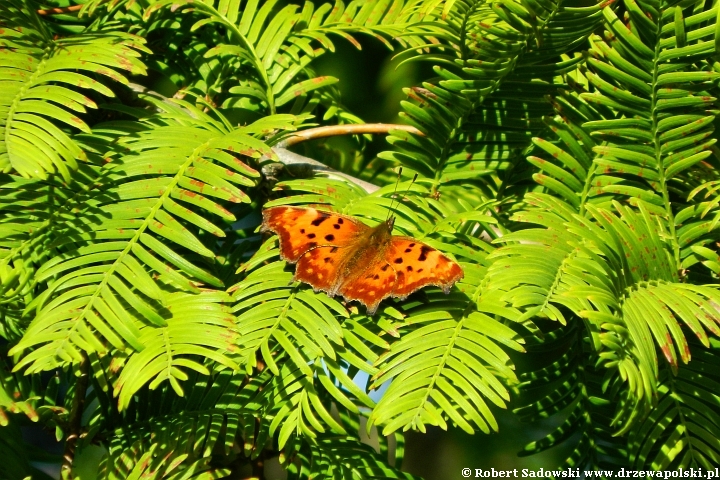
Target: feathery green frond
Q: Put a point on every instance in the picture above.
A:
(444, 369)
(495, 67)
(40, 77)
(612, 271)
(565, 158)
(100, 286)
(687, 404)
(333, 457)
(658, 85)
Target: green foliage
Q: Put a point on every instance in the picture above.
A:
(37, 73)
(565, 158)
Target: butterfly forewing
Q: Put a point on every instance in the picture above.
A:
(417, 265)
(302, 229)
(320, 267)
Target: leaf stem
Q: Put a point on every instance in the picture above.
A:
(75, 421)
(659, 159)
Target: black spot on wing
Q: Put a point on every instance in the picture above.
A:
(409, 268)
(320, 219)
(408, 250)
(329, 238)
(312, 244)
(302, 230)
(311, 235)
(423, 253)
(376, 276)
(328, 260)
(398, 260)
(420, 270)
(340, 221)
(385, 267)
(336, 226)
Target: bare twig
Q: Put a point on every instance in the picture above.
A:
(336, 130)
(59, 11)
(293, 160)
(74, 422)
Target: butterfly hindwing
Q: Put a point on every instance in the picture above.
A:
(370, 286)
(302, 229)
(417, 265)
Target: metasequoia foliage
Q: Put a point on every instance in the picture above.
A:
(565, 158)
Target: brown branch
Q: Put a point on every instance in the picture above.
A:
(295, 161)
(75, 421)
(335, 130)
(258, 465)
(59, 11)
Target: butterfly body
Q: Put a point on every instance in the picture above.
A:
(342, 256)
(358, 258)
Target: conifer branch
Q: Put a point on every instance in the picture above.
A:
(336, 130)
(75, 421)
(298, 162)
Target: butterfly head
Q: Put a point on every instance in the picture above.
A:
(382, 233)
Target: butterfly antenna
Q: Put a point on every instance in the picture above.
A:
(409, 186)
(392, 199)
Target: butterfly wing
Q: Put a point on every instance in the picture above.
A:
(302, 229)
(322, 243)
(320, 268)
(417, 265)
(370, 286)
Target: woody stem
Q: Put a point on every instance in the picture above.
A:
(75, 420)
(298, 162)
(293, 160)
(336, 130)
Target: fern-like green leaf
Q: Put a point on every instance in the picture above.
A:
(101, 295)
(658, 85)
(39, 98)
(687, 403)
(333, 457)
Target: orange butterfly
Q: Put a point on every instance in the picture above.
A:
(340, 255)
